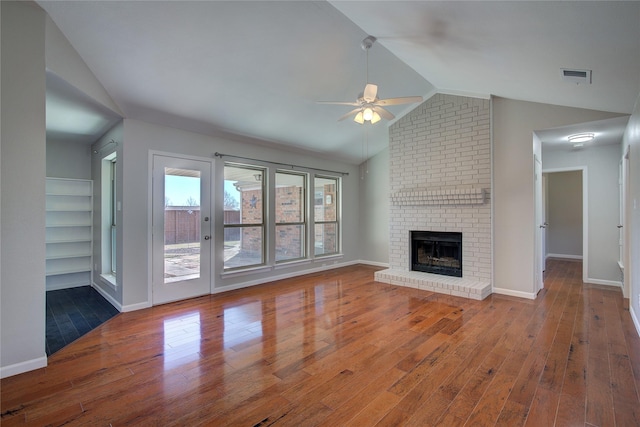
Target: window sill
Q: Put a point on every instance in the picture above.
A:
(297, 262)
(325, 258)
(243, 272)
(110, 280)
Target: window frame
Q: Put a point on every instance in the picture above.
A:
(335, 199)
(304, 216)
(114, 214)
(263, 225)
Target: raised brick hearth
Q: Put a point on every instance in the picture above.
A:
(456, 286)
(440, 180)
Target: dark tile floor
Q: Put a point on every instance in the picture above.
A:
(72, 313)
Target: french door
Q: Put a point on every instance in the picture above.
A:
(181, 221)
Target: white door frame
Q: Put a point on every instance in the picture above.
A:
(625, 236)
(585, 214)
(539, 226)
(209, 271)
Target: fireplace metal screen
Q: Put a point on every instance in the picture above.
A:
(437, 252)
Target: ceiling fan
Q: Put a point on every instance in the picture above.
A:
(369, 108)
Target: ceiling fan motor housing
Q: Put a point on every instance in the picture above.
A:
(368, 42)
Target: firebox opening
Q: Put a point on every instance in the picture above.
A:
(437, 252)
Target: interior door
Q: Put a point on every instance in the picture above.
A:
(181, 266)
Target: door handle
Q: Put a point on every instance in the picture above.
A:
(207, 237)
(543, 226)
(619, 226)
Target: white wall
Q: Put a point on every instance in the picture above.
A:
(23, 165)
(514, 123)
(564, 204)
(140, 137)
(62, 59)
(374, 206)
(602, 165)
(631, 141)
(68, 160)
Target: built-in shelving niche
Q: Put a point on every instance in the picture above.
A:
(69, 232)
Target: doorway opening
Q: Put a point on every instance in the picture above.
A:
(564, 214)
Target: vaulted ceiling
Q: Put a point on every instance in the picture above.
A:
(258, 68)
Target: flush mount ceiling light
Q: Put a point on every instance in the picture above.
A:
(580, 138)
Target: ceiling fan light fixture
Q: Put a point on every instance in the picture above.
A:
(581, 138)
(369, 108)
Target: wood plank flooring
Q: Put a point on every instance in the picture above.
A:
(338, 349)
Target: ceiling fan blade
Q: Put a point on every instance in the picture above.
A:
(370, 92)
(350, 113)
(384, 113)
(398, 101)
(354, 104)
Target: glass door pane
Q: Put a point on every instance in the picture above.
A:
(181, 224)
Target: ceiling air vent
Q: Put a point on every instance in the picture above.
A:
(576, 76)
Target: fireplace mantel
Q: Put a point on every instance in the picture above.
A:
(464, 196)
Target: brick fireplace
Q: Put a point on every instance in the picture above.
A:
(440, 181)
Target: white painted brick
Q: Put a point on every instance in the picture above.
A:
(444, 144)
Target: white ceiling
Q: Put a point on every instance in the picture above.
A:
(72, 115)
(258, 68)
(605, 132)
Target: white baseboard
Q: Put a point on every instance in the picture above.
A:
(374, 263)
(142, 305)
(134, 307)
(564, 256)
(634, 317)
(121, 308)
(66, 286)
(108, 297)
(510, 292)
(26, 366)
(604, 282)
(282, 276)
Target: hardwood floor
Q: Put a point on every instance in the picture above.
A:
(337, 348)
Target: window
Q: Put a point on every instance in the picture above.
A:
(113, 216)
(290, 216)
(244, 216)
(326, 241)
(109, 209)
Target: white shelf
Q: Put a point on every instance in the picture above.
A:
(68, 271)
(65, 256)
(68, 225)
(69, 210)
(69, 232)
(56, 241)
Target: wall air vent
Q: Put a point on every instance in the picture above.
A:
(576, 76)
